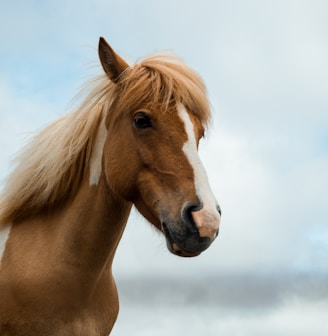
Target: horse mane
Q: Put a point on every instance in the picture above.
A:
(53, 164)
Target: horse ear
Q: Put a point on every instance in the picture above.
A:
(112, 63)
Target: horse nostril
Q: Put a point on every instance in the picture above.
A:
(219, 209)
(187, 215)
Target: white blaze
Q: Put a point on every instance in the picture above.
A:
(96, 155)
(210, 215)
(4, 235)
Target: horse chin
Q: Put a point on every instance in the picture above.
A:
(177, 250)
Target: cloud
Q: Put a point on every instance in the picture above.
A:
(239, 305)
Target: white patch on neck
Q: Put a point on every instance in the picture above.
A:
(202, 186)
(4, 235)
(96, 155)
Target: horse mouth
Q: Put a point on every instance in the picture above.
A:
(175, 248)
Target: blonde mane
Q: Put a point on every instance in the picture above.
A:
(51, 167)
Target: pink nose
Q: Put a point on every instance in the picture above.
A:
(207, 222)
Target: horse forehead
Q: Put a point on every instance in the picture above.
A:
(189, 124)
(181, 121)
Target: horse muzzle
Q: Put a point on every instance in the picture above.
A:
(194, 233)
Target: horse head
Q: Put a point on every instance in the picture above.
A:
(157, 117)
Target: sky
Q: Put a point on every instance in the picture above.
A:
(266, 153)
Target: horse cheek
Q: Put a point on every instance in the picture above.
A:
(121, 171)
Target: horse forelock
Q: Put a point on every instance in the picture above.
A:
(161, 79)
(52, 166)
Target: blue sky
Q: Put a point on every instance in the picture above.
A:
(265, 65)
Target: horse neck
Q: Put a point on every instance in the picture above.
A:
(91, 225)
(59, 262)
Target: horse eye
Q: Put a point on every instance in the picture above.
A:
(142, 120)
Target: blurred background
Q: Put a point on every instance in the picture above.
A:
(265, 64)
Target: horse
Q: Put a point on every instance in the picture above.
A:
(132, 141)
